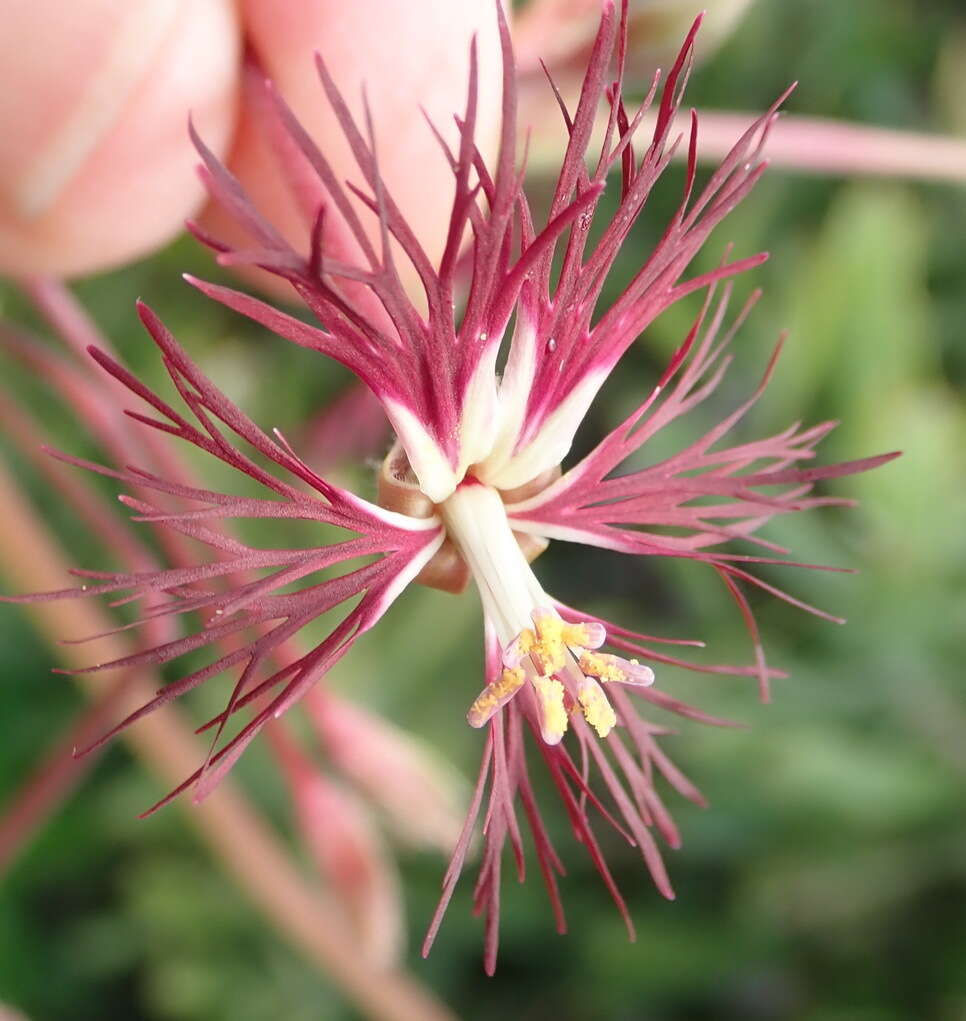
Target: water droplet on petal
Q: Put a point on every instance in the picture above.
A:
(551, 346)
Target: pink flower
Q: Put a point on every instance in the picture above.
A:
(473, 489)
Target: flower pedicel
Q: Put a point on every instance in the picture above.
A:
(473, 489)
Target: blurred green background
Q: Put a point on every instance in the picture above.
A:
(827, 882)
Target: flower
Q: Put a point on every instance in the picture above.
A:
(473, 488)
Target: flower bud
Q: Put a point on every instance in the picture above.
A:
(421, 795)
(349, 854)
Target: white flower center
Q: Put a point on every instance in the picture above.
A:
(553, 656)
(475, 519)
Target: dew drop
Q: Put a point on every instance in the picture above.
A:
(551, 346)
(483, 335)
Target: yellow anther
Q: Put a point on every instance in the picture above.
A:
(548, 654)
(484, 706)
(584, 635)
(520, 647)
(600, 665)
(613, 669)
(553, 715)
(549, 625)
(597, 710)
(494, 695)
(549, 648)
(547, 643)
(511, 680)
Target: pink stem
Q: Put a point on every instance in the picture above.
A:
(815, 145)
(808, 145)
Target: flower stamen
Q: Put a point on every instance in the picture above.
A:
(554, 647)
(616, 670)
(494, 696)
(550, 709)
(598, 712)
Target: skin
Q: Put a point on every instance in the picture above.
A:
(95, 165)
